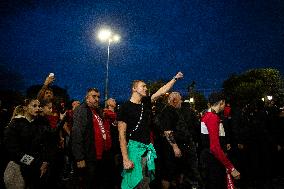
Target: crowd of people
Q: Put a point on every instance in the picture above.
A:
(145, 143)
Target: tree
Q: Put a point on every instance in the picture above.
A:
(10, 98)
(154, 86)
(253, 85)
(200, 102)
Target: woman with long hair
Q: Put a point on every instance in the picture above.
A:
(26, 146)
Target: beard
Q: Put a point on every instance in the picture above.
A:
(94, 105)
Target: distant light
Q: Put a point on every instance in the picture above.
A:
(262, 99)
(269, 97)
(191, 100)
(116, 38)
(104, 34)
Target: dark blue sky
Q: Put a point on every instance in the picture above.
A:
(206, 40)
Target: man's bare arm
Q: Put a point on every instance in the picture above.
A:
(171, 139)
(127, 164)
(47, 82)
(166, 87)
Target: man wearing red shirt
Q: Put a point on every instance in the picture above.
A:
(91, 143)
(213, 158)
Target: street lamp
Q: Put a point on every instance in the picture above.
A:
(106, 35)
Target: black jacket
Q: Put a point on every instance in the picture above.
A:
(23, 137)
(82, 135)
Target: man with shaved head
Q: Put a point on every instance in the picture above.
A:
(134, 125)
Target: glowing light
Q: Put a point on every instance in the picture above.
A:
(116, 38)
(104, 34)
(262, 99)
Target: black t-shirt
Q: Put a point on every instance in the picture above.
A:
(169, 119)
(130, 114)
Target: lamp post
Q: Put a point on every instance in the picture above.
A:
(106, 35)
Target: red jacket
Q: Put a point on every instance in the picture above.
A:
(212, 122)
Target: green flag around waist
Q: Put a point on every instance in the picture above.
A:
(136, 150)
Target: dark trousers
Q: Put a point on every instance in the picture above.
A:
(170, 165)
(213, 172)
(31, 176)
(98, 174)
(190, 169)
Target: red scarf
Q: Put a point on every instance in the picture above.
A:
(100, 130)
(230, 182)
